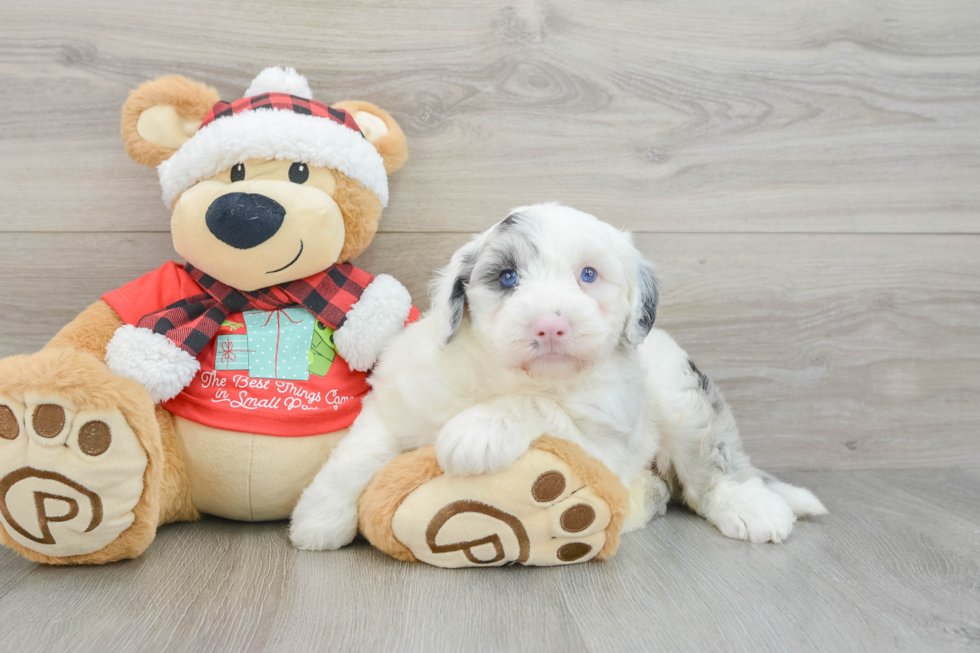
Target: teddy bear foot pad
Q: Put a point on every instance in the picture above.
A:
(71, 467)
(554, 506)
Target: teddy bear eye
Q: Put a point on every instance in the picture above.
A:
(238, 172)
(299, 173)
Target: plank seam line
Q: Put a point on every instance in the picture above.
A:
(633, 231)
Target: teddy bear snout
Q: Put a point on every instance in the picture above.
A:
(244, 220)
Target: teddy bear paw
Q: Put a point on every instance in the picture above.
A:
(553, 506)
(70, 475)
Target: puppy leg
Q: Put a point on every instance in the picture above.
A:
(490, 436)
(649, 496)
(701, 453)
(326, 515)
(803, 502)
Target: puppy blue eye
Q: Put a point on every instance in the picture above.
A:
(589, 275)
(508, 278)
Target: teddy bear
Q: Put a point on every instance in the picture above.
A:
(221, 385)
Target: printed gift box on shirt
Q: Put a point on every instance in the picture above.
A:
(279, 343)
(231, 347)
(322, 350)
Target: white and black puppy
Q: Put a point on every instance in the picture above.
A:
(543, 324)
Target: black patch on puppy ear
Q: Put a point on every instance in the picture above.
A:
(457, 304)
(650, 295)
(457, 296)
(645, 309)
(510, 221)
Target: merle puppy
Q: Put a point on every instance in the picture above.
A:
(544, 323)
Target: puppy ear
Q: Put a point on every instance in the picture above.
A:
(644, 292)
(449, 291)
(161, 115)
(381, 130)
(644, 303)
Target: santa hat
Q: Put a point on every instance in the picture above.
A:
(276, 120)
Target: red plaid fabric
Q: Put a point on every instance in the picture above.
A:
(282, 101)
(193, 322)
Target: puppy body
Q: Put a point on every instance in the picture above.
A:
(567, 350)
(463, 388)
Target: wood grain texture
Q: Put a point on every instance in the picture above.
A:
(784, 164)
(835, 351)
(801, 116)
(888, 570)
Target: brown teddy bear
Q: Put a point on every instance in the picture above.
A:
(220, 386)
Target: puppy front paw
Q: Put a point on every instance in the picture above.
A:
(479, 441)
(750, 511)
(322, 523)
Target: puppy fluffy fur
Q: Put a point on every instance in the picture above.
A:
(563, 351)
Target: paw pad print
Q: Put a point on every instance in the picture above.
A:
(69, 477)
(518, 516)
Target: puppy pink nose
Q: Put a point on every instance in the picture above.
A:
(550, 330)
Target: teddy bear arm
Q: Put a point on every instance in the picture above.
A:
(377, 316)
(90, 331)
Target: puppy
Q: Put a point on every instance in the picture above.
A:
(543, 324)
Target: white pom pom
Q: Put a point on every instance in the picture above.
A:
(377, 316)
(279, 80)
(151, 359)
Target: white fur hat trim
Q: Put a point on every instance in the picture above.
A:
(273, 134)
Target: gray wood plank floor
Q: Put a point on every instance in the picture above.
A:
(893, 567)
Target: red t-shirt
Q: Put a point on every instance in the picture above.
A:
(268, 372)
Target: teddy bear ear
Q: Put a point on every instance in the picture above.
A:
(381, 130)
(161, 115)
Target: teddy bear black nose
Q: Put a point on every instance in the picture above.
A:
(244, 220)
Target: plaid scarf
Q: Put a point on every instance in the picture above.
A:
(193, 322)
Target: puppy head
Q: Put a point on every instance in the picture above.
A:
(549, 289)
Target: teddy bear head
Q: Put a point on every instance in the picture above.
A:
(270, 188)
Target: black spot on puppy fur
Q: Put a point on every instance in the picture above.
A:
(708, 389)
(703, 381)
(510, 221)
(508, 247)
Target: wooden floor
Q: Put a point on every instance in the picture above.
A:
(804, 173)
(894, 567)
